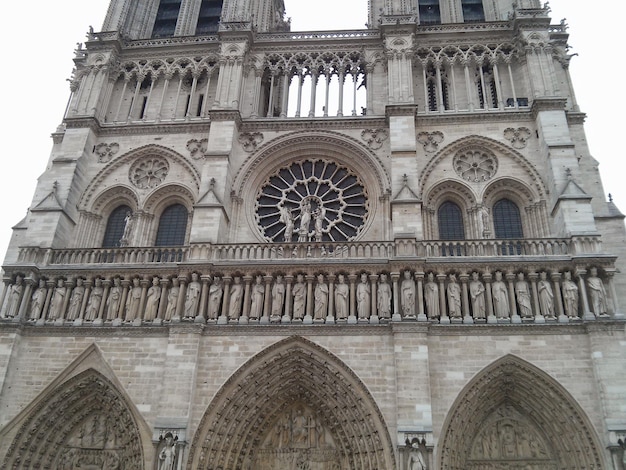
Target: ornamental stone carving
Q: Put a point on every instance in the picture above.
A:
(518, 137)
(374, 137)
(105, 151)
(149, 172)
(197, 148)
(430, 140)
(250, 140)
(475, 165)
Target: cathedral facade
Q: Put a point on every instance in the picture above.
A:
(259, 249)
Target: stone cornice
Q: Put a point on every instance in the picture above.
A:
(295, 124)
(110, 130)
(548, 103)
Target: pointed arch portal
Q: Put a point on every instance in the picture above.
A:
(83, 423)
(513, 415)
(294, 405)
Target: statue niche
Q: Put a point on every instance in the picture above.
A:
(509, 440)
(298, 440)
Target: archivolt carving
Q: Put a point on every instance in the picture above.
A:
(85, 421)
(169, 194)
(174, 159)
(487, 144)
(113, 197)
(453, 190)
(292, 380)
(522, 399)
(510, 188)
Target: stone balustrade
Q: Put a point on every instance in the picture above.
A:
(318, 252)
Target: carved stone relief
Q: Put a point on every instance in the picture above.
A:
(374, 137)
(148, 172)
(518, 137)
(250, 140)
(475, 165)
(105, 151)
(197, 148)
(299, 439)
(430, 140)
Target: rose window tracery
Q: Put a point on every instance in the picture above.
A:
(312, 200)
(475, 165)
(149, 172)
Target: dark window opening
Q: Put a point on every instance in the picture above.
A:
(450, 221)
(473, 11)
(209, 17)
(172, 226)
(506, 220)
(429, 12)
(199, 108)
(166, 19)
(115, 227)
(142, 114)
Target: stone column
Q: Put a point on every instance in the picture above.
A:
(487, 277)
(615, 301)
(288, 299)
(395, 316)
(558, 299)
(223, 318)
(267, 299)
(445, 319)
(539, 318)
(374, 299)
(182, 295)
(162, 301)
(105, 295)
(467, 318)
(26, 297)
(421, 314)
(201, 318)
(330, 315)
(352, 305)
(308, 317)
(145, 283)
(510, 279)
(582, 289)
(81, 314)
(245, 313)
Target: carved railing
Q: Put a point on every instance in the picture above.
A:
(319, 252)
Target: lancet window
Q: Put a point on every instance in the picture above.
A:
(172, 226)
(506, 220)
(166, 19)
(473, 10)
(209, 17)
(450, 221)
(116, 224)
(429, 12)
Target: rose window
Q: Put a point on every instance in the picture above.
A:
(312, 200)
(475, 165)
(149, 172)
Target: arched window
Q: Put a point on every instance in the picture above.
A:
(172, 226)
(506, 219)
(115, 227)
(450, 221)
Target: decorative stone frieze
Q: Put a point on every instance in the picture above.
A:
(375, 138)
(197, 148)
(430, 140)
(250, 140)
(518, 137)
(105, 152)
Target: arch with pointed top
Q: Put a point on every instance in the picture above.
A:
(48, 426)
(292, 370)
(533, 393)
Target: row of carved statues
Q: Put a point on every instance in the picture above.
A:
(321, 298)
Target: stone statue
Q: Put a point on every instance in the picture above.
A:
(408, 295)
(500, 297)
(477, 294)
(133, 302)
(299, 297)
(546, 296)
(37, 300)
(172, 300)
(319, 216)
(113, 302)
(384, 297)
(278, 297)
(431, 296)
(95, 299)
(597, 293)
(192, 300)
(76, 300)
(484, 221)
(152, 300)
(363, 298)
(522, 291)
(570, 296)
(128, 226)
(58, 301)
(14, 297)
(236, 293)
(167, 456)
(215, 298)
(342, 294)
(454, 297)
(258, 294)
(286, 217)
(305, 220)
(321, 298)
(416, 458)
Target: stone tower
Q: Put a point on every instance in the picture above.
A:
(255, 248)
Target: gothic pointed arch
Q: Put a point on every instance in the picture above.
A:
(293, 402)
(143, 169)
(83, 418)
(475, 159)
(313, 162)
(512, 413)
